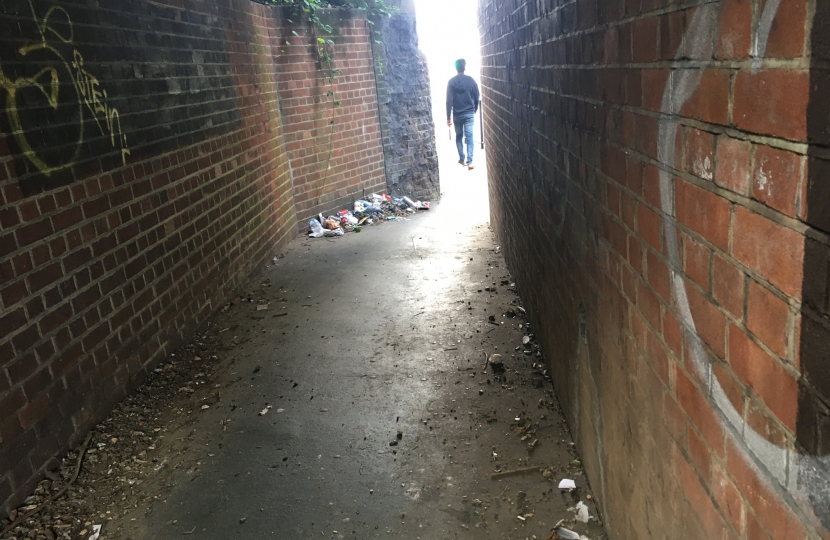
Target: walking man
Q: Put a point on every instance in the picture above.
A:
(462, 105)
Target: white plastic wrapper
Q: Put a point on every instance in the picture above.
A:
(315, 228)
(582, 512)
(567, 484)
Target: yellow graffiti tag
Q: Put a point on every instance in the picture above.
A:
(94, 99)
(87, 89)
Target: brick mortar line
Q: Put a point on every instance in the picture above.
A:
(742, 65)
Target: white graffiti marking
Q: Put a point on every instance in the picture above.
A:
(804, 477)
(759, 44)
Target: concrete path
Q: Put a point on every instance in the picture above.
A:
(383, 421)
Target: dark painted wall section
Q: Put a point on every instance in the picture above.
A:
(405, 107)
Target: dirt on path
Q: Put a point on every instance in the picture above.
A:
(346, 393)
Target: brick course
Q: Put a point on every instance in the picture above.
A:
(679, 151)
(184, 142)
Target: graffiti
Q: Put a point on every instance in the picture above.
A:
(803, 477)
(56, 25)
(95, 100)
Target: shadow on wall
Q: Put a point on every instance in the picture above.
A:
(813, 425)
(804, 473)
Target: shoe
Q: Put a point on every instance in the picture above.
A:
(461, 162)
(470, 166)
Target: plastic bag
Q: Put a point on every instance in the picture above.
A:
(347, 218)
(315, 229)
(365, 207)
(582, 512)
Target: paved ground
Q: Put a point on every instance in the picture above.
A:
(383, 420)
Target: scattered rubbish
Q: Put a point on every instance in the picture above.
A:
(264, 411)
(365, 212)
(496, 476)
(582, 512)
(525, 340)
(417, 205)
(205, 407)
(242, 520)
(567, 484)
(525, 517)
(96, 532)
(262, 307)
(280, 410)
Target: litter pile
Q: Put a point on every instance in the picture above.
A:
(378, 209)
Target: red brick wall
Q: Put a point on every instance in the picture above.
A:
(353, 151)
(143, 189)
(658, 183)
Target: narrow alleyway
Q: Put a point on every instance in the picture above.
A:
(380, 417)
(345, 394)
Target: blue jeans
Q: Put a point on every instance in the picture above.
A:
(464, 128)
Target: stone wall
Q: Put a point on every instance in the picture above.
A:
(146, 155)
(405, 107)
(658, 182)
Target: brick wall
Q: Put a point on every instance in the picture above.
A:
(145, 173)
(658, 181)
(332, 163)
